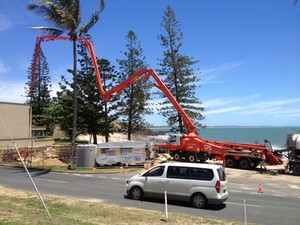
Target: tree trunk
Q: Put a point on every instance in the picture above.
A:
(74, 124)
(95, 142)
(129, 131)
(106, 123)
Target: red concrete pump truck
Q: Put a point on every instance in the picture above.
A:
(189, 146)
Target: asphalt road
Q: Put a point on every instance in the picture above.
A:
(279, 203)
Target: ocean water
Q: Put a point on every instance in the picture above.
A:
(250, 135)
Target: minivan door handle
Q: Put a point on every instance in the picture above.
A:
(164, 181)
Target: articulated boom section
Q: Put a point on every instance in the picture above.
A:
(254, 151)
(245, 156)
(190, 146)
(106, 95)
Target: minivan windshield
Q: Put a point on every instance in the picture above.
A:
(222, 175)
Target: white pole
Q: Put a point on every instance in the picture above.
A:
(166, 206)
(37, 191)
(245, 212)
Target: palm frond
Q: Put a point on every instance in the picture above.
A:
(48, 30)
(49, 10)
(93, 20)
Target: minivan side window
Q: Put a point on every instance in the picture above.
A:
(178, 172)
(201, 174)
(155, 172)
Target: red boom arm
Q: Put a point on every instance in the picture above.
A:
(106, 95)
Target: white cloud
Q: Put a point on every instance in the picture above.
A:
(250, 111)
(12, 91)
(55, 88)
(268, 108)
(3, 68)
(224, 110)
(209, 76)
(280, 102)
(219, 102)
(221, 68)
(4, 23)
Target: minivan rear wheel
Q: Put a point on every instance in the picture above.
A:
(199, 201)
(136, 193)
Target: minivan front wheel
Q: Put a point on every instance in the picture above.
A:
(136, 193)
(199, 201)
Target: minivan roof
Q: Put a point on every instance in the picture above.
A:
(202, 165)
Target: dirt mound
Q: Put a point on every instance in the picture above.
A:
(47, 157)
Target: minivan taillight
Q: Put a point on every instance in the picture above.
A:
(218, 186)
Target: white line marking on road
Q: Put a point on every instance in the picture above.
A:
(56, 181)
(77, 174)
(235, 191)
(242, 204)
(278, 195)
(115, 178)
(86, 175)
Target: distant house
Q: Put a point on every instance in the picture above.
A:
(16, 126)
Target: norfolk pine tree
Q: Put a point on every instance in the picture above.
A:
(178, 75)
(133, 100)
(40, 99)
(95, 115)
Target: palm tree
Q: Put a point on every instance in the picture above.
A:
(65, 16)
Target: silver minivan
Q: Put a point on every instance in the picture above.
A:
(197, 183)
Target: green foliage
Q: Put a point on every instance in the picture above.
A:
(133, 100)
(95, 115)
(178, 74)
(61, 109)
(40, 98)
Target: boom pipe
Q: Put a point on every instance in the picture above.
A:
(106, 95)
(89, 46)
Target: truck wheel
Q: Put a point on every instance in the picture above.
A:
(202, 157)
(136, 193)
(177, 156)
(230, 162)
(199, 201)
(245, 163)
(255, 164)
(296, 170)
(192, 157)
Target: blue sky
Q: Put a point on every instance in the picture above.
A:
(248, 52)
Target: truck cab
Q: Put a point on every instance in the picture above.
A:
(175, 139)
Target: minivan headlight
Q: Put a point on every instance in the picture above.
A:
(128, 181)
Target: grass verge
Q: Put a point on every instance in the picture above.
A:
(19, 208)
